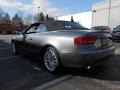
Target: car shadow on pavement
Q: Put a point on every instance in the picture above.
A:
(109, 71)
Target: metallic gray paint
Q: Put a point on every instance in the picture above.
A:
(63, 42)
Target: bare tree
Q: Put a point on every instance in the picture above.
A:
(15, 19)
(1, 12)
(39, 18)
(7, 18)
(2, 15)
(21, 17)
(20, 14)
(48, 17)
(28, 19)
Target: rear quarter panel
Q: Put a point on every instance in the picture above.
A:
(61, 42)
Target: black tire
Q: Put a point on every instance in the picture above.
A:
(14, 48)
(51, 60)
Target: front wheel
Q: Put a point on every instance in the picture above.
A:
(13, 48)
(51, 59)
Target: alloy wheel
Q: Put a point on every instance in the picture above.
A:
(51, 60)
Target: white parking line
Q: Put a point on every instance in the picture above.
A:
(3, 58)
(51, 83)
(6, 58)
(35, 67)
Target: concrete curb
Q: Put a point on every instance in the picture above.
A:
(51, 83)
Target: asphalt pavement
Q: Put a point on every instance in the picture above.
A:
(25, 73)
(20, 72)
(103, 77)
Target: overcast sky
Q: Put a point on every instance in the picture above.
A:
(52, 7)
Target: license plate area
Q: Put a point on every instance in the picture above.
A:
(98, 43)
(107, 42)
(103, 42)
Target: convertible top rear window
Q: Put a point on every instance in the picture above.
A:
(63, 25)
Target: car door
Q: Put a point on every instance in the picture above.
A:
(19, 40)
(30, 40)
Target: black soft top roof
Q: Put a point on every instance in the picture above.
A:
(54, 25)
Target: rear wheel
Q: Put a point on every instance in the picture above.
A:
(51, 59)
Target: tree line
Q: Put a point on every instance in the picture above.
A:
(21, 19)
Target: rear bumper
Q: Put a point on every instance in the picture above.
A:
(83, 59)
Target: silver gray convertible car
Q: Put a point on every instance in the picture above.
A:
(63, 43)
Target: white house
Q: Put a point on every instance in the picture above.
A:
(84, 19)
(106, 13)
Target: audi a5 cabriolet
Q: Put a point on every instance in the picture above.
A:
(63, 43)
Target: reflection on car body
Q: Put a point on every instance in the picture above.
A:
(63, 43)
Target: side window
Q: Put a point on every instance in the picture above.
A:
(42, 28)
(33, 29)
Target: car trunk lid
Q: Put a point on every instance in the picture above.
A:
(103, 38)
(99, 38)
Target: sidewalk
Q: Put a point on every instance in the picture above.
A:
(81, 83)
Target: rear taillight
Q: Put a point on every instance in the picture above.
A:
(84, 40)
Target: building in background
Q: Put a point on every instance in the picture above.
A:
(9, 28)
(84, 19)
(106, 13)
